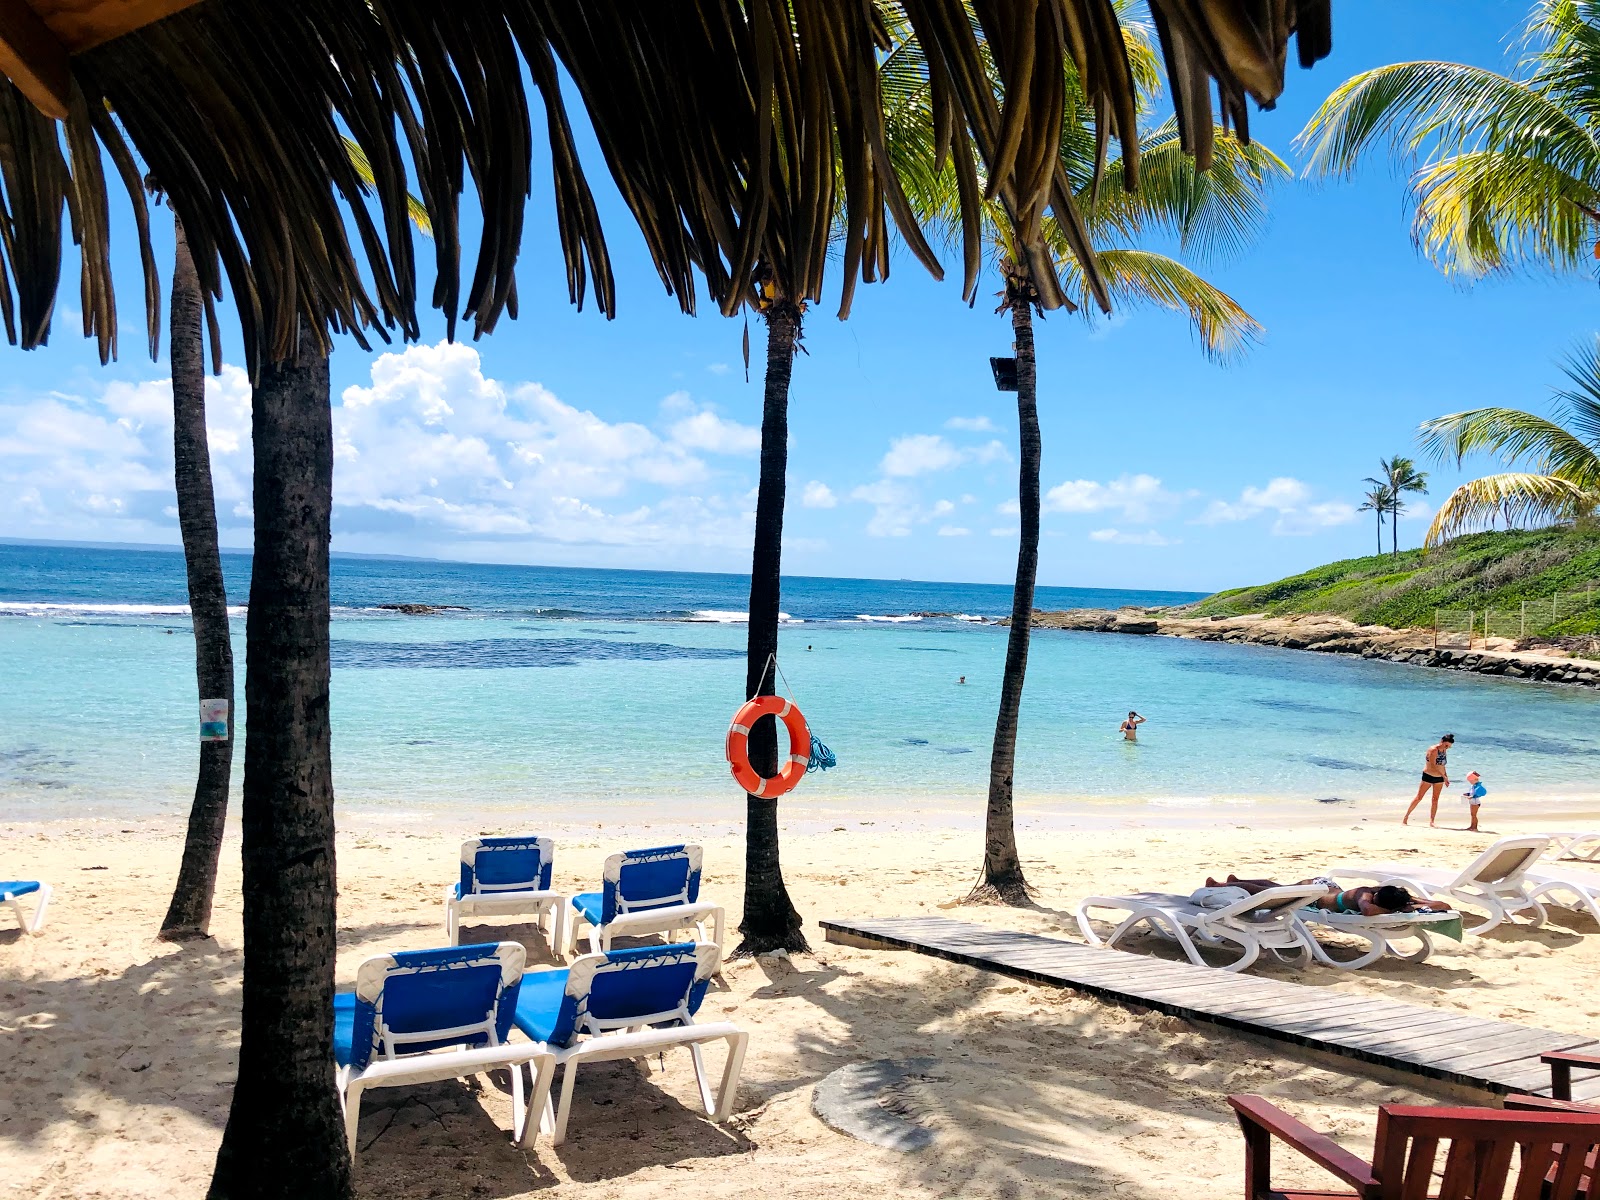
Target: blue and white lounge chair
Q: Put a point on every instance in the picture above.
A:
(11, 890)
(424, 1015)
(505, 876)
(628, 1004)
(646, 891)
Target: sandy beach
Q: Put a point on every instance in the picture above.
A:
(120, 1049)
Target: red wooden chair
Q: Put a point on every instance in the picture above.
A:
(1554, 1152)
(1562, 1063)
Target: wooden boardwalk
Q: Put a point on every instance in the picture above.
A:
(1437, 1043)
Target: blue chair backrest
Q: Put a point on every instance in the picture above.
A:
(420, 1000)
(647, 985)
(506, 864)
(639, 880)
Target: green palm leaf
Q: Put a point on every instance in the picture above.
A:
(1513, 436)
(1141, 276)
(1518, 498)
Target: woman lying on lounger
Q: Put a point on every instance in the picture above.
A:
(1368, 901)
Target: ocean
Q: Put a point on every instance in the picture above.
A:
(549, 692)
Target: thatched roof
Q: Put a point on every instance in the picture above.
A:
(719, 121)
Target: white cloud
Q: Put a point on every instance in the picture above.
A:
(1118, 537)
(718, 368)
(895, 506)
(919, 454)
(971, 424)
(1138, 498)
(705, 430)
(1008, 508)
(954, 531)
(1287, 498)
(429, 455)
(1006, 531)
(817, 494)
(942, 508)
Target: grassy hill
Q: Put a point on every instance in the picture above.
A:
(1499, 570)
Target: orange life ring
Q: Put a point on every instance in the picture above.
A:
(738, 748)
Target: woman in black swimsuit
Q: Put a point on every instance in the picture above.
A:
(1435, 775)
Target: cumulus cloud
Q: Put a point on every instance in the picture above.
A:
(971, 424)
(817, 494)
(1289, 501)
(430, 453)
(954, 531)
(1119, 537)
(919, 454)
(1138, 498)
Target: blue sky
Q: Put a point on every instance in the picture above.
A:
(567, 439)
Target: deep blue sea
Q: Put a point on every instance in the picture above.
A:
(573, 692)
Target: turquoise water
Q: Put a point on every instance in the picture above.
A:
(618, 702)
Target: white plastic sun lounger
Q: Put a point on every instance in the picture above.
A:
(1265, 921)
(1583, 845)
(645, 892)
(1556, 884)
(1380, 933)
(503, 877)
(1496, 881)
(420, 1016)
(11, 892)
(621, 1004)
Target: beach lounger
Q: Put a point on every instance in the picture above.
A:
(1566, 888)
(1495, 881)
(1550, 1150)
(506, 876)
(11, 892)
(1380, 933)
(1583, 845)
(628, 1004)
(645, 892)
(1265, 921)
(424, 1015)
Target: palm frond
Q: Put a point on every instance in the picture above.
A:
(1578, 406)
(1514, 497)
(1513, 436)
(1143, 277)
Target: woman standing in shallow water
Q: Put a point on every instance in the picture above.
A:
(1435, 775)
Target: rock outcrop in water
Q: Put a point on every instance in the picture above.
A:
(1335, 635)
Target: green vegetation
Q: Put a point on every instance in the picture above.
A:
(1483, 570)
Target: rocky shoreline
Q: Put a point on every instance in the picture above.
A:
(1334, 635)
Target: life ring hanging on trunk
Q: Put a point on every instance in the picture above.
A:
(738, 747)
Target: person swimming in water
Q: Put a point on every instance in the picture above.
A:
(1435, 775)
(1368, 901)
(1130, 727)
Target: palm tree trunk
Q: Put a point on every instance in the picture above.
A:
(1380, 533)
(1002, 868)
(284, 1136)
(1394, 531)
(189, 914)
(770, 921)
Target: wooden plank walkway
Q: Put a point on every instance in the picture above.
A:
(1436, 1043)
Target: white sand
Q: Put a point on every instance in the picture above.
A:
(117, 1056)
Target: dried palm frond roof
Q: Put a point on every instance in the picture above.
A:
(719, 121)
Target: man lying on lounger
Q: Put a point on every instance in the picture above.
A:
(1368, 901)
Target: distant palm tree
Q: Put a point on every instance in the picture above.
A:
(1507, 167)
(1563, 452)
(1377, 501)
(1400, 475)
(1209, 215)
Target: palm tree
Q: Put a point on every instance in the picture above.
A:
(1378, 500)
(1563, 452)
(1210, 214)
(1399, 475)
(189, 914)
(1507, 167)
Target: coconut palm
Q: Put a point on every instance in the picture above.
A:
(1563, 452)
(1209, 215)
(700, 111)
(1399, 475)
(1378, 500)
(1506, 167)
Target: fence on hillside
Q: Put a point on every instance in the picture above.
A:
(1465, 626)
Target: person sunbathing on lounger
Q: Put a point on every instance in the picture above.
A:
(1368, 901)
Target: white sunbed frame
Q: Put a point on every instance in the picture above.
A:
(1582, 845)
(1265, 921)
(635, 1038)
(435, 1065)
(1381, 933)
(31, 925)
(498, 900)
(677, 913)
(1554, 885)
(1496, 881)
